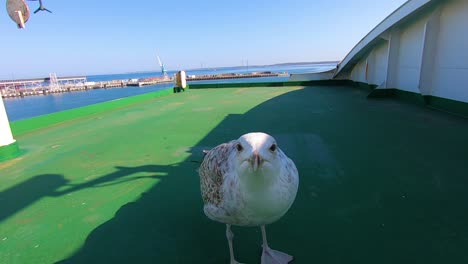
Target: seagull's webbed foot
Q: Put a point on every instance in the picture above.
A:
(271, 256)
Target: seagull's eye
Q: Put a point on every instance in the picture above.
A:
(239, 147)
(273, 147)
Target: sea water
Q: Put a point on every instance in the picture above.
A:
(21, 108)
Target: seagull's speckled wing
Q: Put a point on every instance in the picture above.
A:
(212, 170)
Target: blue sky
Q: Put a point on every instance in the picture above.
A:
(85, 37)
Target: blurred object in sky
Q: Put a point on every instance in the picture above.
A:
(41, 7)
(18, 12)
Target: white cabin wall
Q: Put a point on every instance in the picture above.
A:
(410, 56)
(450, 77)
(429, 53)
(408, 64)
(358, 74)
(379, 68)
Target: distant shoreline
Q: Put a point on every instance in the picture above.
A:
(302, 63)
(266, 65)
(240, 67)
(187, 70)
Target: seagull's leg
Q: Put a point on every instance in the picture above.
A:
(270, 256)
(229, 236)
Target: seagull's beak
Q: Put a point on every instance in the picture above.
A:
(256, 161)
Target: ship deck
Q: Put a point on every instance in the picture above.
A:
(381, 181)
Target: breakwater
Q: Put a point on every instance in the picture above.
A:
(18, 91)
(234, 76)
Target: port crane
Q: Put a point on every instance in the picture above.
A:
(163, 70)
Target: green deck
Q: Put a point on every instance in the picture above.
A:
(381, 181)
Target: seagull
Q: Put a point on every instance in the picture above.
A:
(41, 7)
(249, 182)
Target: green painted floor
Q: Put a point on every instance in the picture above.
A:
(381, 181)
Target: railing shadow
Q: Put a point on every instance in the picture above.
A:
(164, 225)
(20, 196)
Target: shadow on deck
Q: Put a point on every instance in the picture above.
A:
(381, 182)
(20, 196)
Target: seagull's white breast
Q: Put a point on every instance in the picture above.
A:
(254, 203)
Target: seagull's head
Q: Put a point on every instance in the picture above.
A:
(257, 154)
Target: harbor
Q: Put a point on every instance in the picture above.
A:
(44, 86)
(54, 84)
(46, 103)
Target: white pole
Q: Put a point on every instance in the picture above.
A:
(183, 81)
(6, 137)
